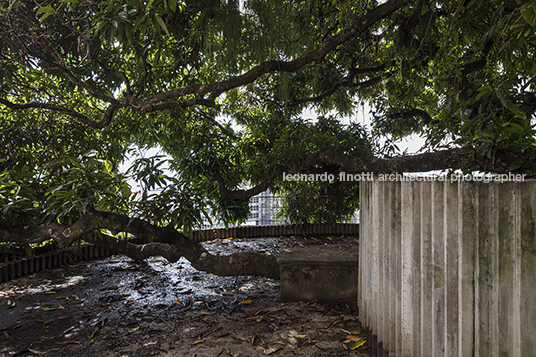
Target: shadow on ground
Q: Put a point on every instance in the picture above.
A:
(119, 307)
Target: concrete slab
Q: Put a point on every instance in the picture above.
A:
(326, 275)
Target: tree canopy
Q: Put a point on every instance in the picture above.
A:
(221, 88)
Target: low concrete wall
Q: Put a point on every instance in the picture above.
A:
(276, 231)
(17, 266)
(449, 269)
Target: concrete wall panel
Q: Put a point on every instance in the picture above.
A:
(449, 268)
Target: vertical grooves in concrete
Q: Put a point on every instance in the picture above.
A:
(391, 281)
(438, 271)
(384, 269)
(506, 262)
(426, 266)
(451, 231)
(407, 272)
(398, 271)
(417, 270)
(528, 269)
(449, 269)
(517, 274)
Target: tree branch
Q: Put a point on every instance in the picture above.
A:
(318, 54)
(161, 101)
(451, 159)
(74, 79)
(163, 241)
(104, 122)
(216, 123)
(414, 112)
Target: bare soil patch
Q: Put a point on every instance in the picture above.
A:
(120, 307)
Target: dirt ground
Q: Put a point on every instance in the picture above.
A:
(119, 307)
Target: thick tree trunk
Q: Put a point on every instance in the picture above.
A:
(163, 241)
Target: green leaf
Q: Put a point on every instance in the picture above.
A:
(516, 165)
(483, 91)
(509, 104)
(358, 343)
(529, 14)
(162, 24)
(424, 10)
(149, 4)
(108, 166)
(46, 11)
(173, 5)
(28, 250)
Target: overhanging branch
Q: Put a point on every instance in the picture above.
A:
(167, 100)
(451, 159)
(163, 241)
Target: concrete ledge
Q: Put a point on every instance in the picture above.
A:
(326, 275)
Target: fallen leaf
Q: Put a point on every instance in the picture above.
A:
(228, 294)
(297, 336)
(114, 345)
(49, 308)
(61, 307)
(94, 333)
(64, 317)
(355, 332)
(68, 342)
(134, 329)
(46, 322)
(69, 329)
(36, 352)
(352, 337)
(348, 317)
(196, 342)
(269, 351)
(280, 343)
(204, 313)
(177, 302)
(256, 318)
(191, 299)
(245, 302)
(358, 344)
(50, 292)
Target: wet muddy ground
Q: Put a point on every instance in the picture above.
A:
(120, 307)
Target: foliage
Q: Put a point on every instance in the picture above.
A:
(221, 88)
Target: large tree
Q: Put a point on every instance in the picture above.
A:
(220, 87)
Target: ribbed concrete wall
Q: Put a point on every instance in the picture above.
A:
(449, 269)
